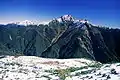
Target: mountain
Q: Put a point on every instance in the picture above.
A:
(63, 38)
(25, 23)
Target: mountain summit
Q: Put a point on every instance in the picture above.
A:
(71, 18)
(26, 22)
(66, 18)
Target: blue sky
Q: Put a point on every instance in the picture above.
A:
(102, 12)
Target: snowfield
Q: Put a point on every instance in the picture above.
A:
(36, 68)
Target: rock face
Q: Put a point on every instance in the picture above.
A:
(65, 39)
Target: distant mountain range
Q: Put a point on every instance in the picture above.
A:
(63, 37)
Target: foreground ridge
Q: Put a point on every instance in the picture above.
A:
(36, 68)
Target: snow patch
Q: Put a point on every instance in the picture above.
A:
(10, 37)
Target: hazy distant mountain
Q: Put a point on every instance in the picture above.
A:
(63, 37)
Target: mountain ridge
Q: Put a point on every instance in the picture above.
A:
(59, 19)
(66, 39)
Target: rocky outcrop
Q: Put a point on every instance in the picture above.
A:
(68, 39)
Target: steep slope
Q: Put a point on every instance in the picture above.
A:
(78, 42)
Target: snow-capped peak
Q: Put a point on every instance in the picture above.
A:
(26, 22)
(84, 21)
(70, 18)
(65, 18)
